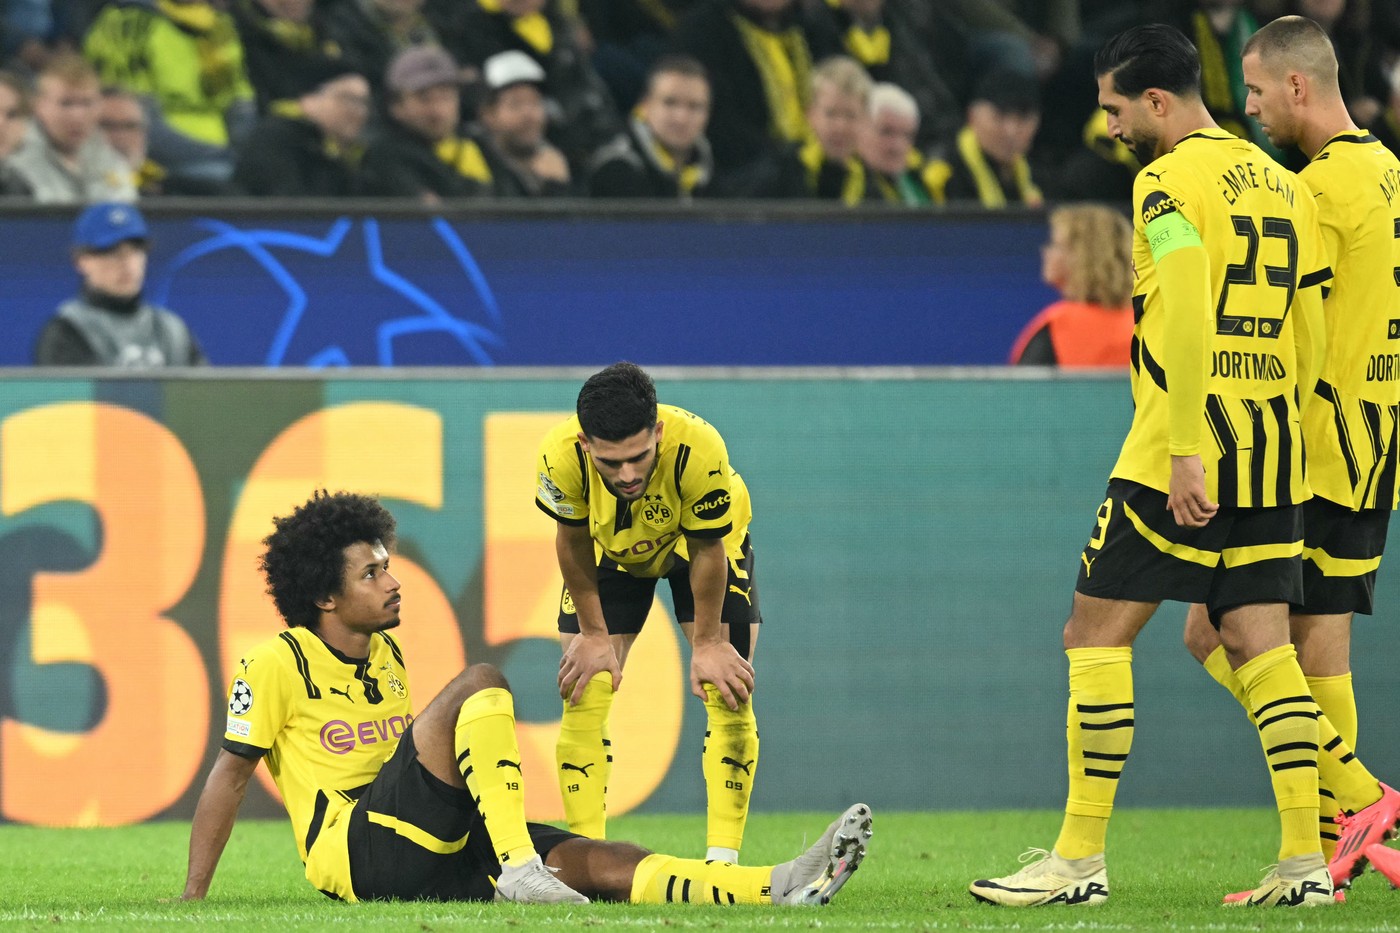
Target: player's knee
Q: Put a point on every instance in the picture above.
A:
(476, 678)
(1199, 635)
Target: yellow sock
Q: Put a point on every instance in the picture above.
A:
(665, 879)
(489, 758)
(1286, 717)
(1217, 665)
(1337, 700)
(1353, 785)
(1099, 733)
(729, 762)
(583, 756)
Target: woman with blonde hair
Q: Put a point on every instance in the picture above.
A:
(1088, 259)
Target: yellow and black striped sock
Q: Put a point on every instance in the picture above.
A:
(1337, 700)
(583, 756)
(665, 879)
(1286, 717)
(1099, 732)
(729, 762)
(1353, 785)
(1217, 665)
(488, 755)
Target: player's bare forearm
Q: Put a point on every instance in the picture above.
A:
(713, 660)
(579, 568)
(709, 571)
(214, 817)
(591, 652)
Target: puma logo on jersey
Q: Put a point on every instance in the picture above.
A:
(743, 766)
(1156, 175)
(245, 664)
(717, 471)
(743, 593)
(1088, 563)
(507, 763)
(582, 769)
(344, 693)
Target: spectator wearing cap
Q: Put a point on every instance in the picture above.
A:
(109, 323)
(63, 158)
(282, 40)
(579, 107)
(759, 58)
(512, 116)
(419, 152)
(987, 162)
(310, 147)
(828, 165)
(664, 152)
(369, 33)
(185, 61)
(14, 122)
(887, 147)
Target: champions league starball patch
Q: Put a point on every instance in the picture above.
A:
(240, 698)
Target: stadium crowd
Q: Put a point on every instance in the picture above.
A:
(988, 102)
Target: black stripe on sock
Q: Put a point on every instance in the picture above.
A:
(716, 891)
(670, 888)
(1105, 708)
(1105, 756)
(1291, 746)
(1094, 772)
(1348, 758)
(1268, 706)
(1324, 792)
(1290, 765)
(685, 892)
(1299, 714)
(1105, 726)
(1336, 740)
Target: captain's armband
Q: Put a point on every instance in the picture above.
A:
(1166, 228)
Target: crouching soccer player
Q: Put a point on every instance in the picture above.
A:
(385, 804)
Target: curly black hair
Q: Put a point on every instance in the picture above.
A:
(305, 557)
(617, 402)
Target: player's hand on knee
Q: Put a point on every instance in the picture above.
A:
(587, 655)
(719, 664)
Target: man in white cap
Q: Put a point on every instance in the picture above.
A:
(513, 122)
(109, 324)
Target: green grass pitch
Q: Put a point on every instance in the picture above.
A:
(1167, 871)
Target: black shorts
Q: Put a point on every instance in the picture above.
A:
(1241, 557)
(1342, 549)
(627, 599)
(414, 838)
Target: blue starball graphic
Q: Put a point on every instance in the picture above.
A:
(315, 329)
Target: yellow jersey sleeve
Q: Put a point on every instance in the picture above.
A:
(562, 475)
(259, 702)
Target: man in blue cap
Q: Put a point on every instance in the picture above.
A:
(108, 323)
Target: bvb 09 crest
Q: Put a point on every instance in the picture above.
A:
(655, 512)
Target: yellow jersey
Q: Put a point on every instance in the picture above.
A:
(1351, 431)
(323, 723)
(692, 491)
(1258, 225)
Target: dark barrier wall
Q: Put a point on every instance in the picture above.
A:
(916, 542)
(709, 289)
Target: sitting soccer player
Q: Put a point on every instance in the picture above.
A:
(386, 804)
